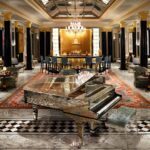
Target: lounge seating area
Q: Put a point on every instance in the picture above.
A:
(141, 80)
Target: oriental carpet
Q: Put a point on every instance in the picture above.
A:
(130, 97)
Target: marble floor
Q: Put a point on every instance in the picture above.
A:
(23, 77)
(49, 141)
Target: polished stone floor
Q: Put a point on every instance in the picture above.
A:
(49, 141)
(29, 140)
(23, 77)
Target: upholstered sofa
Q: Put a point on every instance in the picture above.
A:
(136, 63)
(140, 79)
(16, 64)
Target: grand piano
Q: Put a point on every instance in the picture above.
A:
(83, 97)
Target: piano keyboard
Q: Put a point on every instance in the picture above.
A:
(102, 108)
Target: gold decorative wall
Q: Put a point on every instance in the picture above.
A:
(76, 44)
(21, 40)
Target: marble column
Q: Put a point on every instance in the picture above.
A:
(104, 46)
(21, 43)
(28, 46)
(1, 39)
(110, 45)
(42, 44)
(122, 46)
(143, 39)
(16, 40)
(134, 39)
(148, 39)
(7, 40)
(47, 43)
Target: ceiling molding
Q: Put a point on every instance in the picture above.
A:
(39, 9)
(18, 13)
(112, 7)
(133, 11)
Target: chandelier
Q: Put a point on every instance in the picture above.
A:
(75, 25)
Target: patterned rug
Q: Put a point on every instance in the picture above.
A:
(16, 99)
(130, 98)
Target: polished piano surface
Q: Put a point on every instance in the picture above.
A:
(83, 97)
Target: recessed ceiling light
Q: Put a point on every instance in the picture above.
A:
(106, 1)
(70, 2)
(77, 2)
(44, 2)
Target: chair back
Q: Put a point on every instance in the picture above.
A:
(88, 60)
(14, 61)
(48, 60)
(54, 60)
(98, 60)
(42, 60)
(109, 59)
(136, 61)
(64, 60)
(41, 57)
(106, 59)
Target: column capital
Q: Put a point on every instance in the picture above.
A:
(109, 29)
(45, 29)
(148, 24)
(143, 15)
(134, 24)
(20, 28)
(1, 25)
(28, 24)
(130, 29)
(103, 29)
(7, 16)
(16, 24)
(122, 24)
(116, 30)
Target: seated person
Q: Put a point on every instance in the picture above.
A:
(130, 58)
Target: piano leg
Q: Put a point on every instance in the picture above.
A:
(93, 127)
(80, 131)
(35, 112)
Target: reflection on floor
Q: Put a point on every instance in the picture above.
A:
(23, 77)
(13, 118)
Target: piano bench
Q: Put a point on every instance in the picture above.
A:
(120, 118)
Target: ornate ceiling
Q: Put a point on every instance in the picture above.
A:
(55, 13)
(71, 8)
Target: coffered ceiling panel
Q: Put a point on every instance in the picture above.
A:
(58, 13)
(71, 8)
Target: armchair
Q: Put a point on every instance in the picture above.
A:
(140, 80)
(10, 81)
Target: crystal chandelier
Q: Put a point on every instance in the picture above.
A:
(75, 26)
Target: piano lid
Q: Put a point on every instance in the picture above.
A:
(59, 85)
